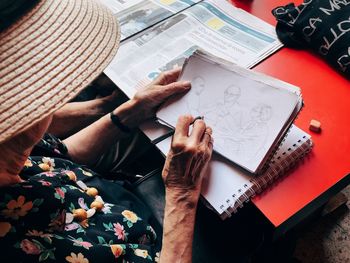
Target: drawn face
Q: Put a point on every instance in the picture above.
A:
(198, 85)
(231, 94)
(261, 113)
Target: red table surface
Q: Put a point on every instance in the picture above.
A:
(326, 95)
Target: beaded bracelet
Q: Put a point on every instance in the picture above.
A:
(116, 121)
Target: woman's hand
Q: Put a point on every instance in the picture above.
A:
(87, 145)
(188, 159)
(182, 174)
(146, 101)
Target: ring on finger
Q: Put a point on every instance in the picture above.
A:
(207, 133)
(211, 140)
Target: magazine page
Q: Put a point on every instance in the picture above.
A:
(233, 35)
(137, 15)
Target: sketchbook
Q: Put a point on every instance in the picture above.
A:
(226, 188)
(249, 112)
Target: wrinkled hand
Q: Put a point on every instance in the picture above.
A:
(188, 158)
(148, 99)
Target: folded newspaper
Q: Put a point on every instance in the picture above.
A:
(250, 113)
(158, 35)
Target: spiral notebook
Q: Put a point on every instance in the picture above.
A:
(227, 187)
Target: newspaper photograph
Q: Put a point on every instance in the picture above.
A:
(233, 35)
(136, 15)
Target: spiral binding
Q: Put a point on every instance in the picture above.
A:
(279, 144)
(280, 165)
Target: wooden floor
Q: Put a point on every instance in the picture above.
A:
(328, 239)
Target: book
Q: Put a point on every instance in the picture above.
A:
(249, 112)
(173, 29)
(226, 187)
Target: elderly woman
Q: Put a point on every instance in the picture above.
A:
(52, 208)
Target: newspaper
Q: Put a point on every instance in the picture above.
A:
(137, 15)
(214, 26)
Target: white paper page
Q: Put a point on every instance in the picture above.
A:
(246, 115)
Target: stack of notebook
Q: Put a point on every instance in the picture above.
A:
(251, 115)
(226, 187)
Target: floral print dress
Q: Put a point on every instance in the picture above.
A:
(63, 212)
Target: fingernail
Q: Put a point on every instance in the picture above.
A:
(187, 84)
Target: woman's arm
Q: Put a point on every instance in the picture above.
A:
(75, 116)
(90, 143)
(179, 219)
(183, 174)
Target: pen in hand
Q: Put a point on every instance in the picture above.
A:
(171, 133)
(197, 118)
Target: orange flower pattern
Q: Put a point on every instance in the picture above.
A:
(36, 222)
(74, 258)
(4, 228)
(17, 208)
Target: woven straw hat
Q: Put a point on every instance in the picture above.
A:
(48, 56)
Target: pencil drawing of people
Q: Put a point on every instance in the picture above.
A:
(256, 130)
(194, 98)
(227, 111)
(226, 117)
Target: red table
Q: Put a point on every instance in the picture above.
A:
(326, 94)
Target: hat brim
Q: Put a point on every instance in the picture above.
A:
(48, 56)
